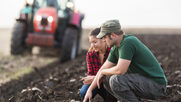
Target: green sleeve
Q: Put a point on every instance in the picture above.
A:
(112, 58)
(127, 50)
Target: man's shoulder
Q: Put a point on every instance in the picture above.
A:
(128, 38)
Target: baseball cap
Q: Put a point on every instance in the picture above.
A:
(109, 26)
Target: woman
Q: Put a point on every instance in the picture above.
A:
(95, 57)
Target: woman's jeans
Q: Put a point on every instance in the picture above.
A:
(102, 92)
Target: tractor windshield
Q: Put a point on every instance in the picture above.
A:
(59, 4)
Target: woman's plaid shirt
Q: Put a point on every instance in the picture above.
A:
(94, 62)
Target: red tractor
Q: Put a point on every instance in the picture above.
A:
(48, 23)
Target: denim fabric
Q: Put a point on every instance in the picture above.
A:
(102, 92)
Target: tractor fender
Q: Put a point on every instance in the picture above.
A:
(76, 19)
(23, 17)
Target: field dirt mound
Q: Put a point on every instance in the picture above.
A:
(60, 82)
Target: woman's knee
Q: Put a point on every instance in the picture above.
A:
(83, 90)
(82, 93)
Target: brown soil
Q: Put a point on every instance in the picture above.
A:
(60, 82)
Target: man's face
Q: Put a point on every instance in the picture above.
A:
(109, 40)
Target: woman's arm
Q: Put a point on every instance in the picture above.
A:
(89, 64)
(88, 79)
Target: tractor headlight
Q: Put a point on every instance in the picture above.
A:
(70, 5)
(38, 18)
(30, 2)
(50, 19)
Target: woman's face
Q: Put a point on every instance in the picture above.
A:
(97, 44)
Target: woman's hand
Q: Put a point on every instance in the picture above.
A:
(91, 49)
(88, 80)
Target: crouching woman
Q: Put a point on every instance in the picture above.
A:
(95, 58)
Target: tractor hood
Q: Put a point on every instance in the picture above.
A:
(45, 20)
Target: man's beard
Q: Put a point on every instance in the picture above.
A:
(111, 44)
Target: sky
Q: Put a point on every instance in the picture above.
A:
(130, 13)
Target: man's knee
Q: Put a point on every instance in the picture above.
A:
(118, 83)
(110, 80)
(113, 82)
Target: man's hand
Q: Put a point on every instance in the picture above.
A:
(88, 96)
(88, 80)
(99, 78)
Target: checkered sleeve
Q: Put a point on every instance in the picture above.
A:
(89, 63)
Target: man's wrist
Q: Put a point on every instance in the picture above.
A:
(89, 90)
(103, 72)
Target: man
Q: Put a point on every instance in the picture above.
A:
(132, 72)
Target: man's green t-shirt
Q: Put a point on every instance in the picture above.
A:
(142, 59)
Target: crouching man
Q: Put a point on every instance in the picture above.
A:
(131, 71)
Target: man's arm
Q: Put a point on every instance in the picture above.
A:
(106, 65)
(120, 68)
(88, 95)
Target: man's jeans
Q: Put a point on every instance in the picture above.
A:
(131, 87)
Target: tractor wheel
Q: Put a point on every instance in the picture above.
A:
(17, 46)
(69, 45)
